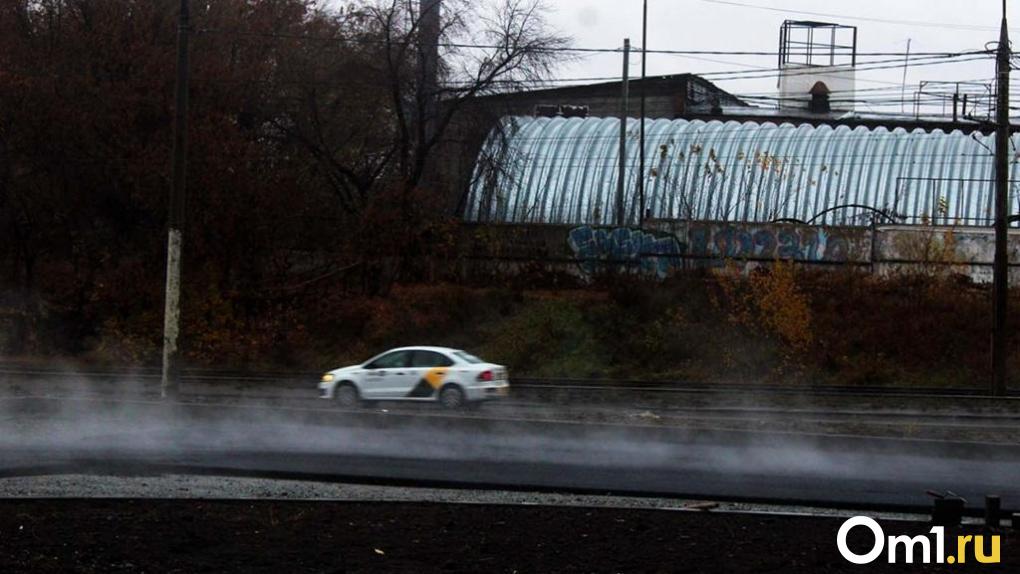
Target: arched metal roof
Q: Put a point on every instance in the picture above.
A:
(564, 170)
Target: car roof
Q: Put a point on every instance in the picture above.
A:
(426, 348)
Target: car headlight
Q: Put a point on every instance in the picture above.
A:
(328, 377)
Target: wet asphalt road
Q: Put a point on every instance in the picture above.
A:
(43, 436)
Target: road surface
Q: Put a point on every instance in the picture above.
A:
(45, 436)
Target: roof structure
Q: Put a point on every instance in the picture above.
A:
(564, 170)
(654, 85)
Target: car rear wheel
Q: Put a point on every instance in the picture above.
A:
(346, 396)
(451, 397)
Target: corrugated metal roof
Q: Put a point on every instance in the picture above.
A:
(564, 170)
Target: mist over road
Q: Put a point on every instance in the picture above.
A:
(44, 436)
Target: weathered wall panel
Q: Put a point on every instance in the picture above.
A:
(668, 247)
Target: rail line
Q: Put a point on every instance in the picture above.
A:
(827, 423)
(280, 379)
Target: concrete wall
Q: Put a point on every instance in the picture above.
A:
(664, 248)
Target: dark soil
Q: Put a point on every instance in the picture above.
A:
(42, 536)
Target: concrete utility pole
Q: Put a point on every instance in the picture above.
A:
(641, 168)
(430, 26)
(1000, 282)
(171, 379)
(621, 217)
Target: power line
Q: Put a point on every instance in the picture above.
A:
(892, 64)
(579, 49)
(914, 23)
(771, 73)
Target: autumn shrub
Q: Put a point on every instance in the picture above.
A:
(769, 301)
(123, 341)
(549, 336)
(903, 328)
(14, 329)
(671, 329)
(782, 306)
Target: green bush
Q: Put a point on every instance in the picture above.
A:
(550, 337)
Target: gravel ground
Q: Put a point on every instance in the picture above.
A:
(239, 488)
(187, 536)
(215, 487)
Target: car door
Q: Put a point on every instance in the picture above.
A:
(388, 376)
(430, 371)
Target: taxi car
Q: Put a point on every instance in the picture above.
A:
(452, 377)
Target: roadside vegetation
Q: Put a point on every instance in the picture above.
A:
(780, 325)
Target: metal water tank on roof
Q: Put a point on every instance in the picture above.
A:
(817, 52)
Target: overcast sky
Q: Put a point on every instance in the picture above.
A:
(753, 25)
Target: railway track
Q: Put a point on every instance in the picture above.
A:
(935, 415)
(948, 427)
(293, 380)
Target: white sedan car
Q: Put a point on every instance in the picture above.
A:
(450, 376)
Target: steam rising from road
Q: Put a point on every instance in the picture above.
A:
(89, 426)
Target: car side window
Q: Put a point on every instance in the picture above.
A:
(394, 360)
(424, 359)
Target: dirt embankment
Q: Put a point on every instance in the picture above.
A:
(781, 325)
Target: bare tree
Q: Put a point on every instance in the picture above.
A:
(373, 119)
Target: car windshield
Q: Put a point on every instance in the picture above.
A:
(469, 357)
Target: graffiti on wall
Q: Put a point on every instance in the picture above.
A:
(649, 252)
(673, 246)
(811, 244)
(661, 252)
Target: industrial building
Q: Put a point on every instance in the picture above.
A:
(565, 170)
(555, 155)
(811, 178)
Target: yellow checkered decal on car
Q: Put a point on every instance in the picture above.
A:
(430, 381)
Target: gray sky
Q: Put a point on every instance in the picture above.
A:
(884, 26)
(753, 25)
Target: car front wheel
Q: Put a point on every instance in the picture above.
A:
(346, 396)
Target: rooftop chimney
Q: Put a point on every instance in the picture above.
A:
(819, 103)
